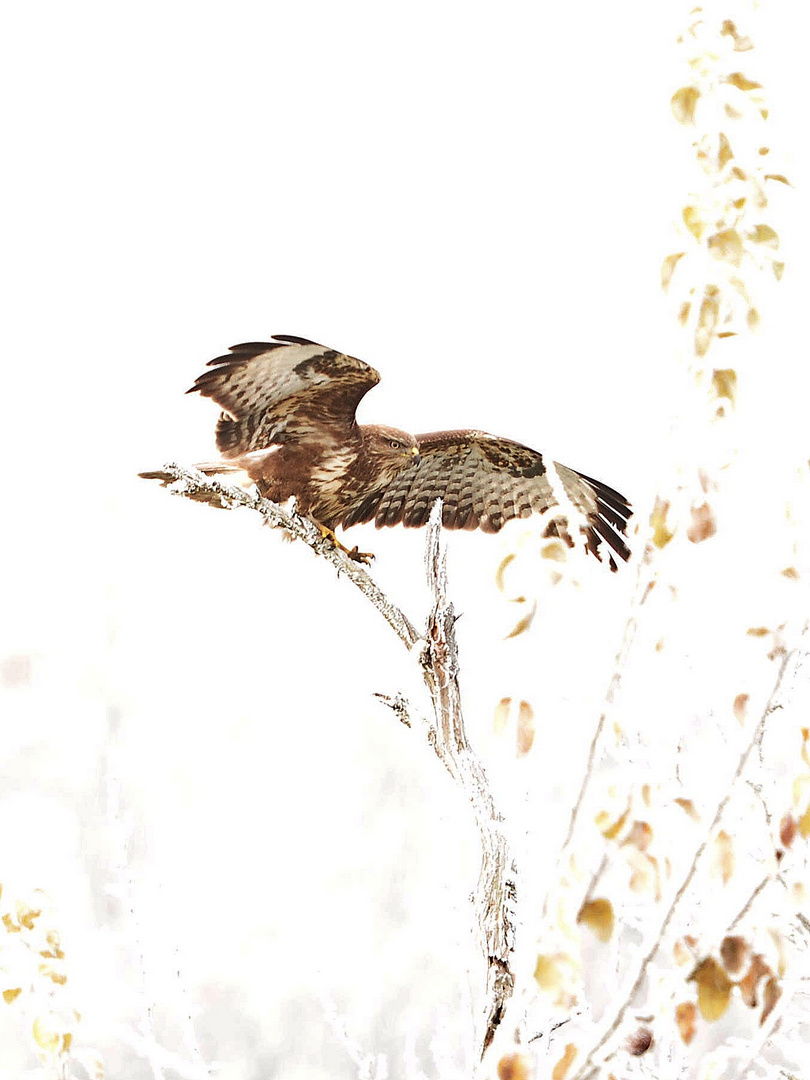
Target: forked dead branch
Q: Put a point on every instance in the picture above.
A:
(437, 652)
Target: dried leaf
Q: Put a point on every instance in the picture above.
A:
(640, 835)
(499, 573)
(724, 382)
(748, 985)
(668, 267)
(770, 996)
(741, 44)
(787, 830)
(736, 78)
(610, 832)
(689, 807)
(757, 631)
(523, 624)
(661, 534)
(723, 856)
(598, 915)
(639, 1042)
(554, 550)
(702, 524)
(501, 715)
(727, 245)
(11, 995)
(734, 952)
(778, 269)
(804, 824)
(692, 220)
(724, 152)
(645, 876)
(764, 234)
(708, 317)
(791, 573)
(553, 973)
(564, 1064)
(44, 1037)
(681, 954)
(752, 318)
(514, 1067)
(779, 177)
(740, 706)
(683, 104)
(714, 988)
(686, 1019)
(525, 728)
(683, 313)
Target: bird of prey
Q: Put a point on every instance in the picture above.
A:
(288, 420)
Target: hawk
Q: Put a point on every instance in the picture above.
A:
(288, 421)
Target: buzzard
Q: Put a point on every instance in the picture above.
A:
(288, 421)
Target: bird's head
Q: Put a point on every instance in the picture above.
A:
(393, 449)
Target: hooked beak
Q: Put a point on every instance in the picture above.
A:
(415, 452)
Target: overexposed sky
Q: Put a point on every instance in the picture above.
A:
(474, 198)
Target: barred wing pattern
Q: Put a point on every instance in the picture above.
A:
(486, 481)
(288, 388)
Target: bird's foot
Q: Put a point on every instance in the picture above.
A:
(364, 557)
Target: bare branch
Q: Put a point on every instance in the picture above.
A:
(495, 895)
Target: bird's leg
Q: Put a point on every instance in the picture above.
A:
(353, 553)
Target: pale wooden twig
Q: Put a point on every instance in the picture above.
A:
(495, 896)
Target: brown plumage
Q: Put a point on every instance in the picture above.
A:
(289, 421)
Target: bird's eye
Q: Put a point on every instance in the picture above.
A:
(394, 444)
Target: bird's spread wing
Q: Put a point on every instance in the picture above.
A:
(486, 481)
(272, 392)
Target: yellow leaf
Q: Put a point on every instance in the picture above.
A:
(598, 915)
(612, 831)
(661, 534)
(523, 624)
(501, 715)
(758, 631)
(565, 1063)
(764, 234)
(804, 824)
(736, 78)
(499, 573)
(553, 973)
(683, 313)
(723, 856)
(45, 1038)
(691, 220)
(778, 269)
(514, 1067)
(752, 318)
(708, 317)
(683, 104)
(724, 383)
(778, 176)
(724, 153)
(714, 988)
(11, 995)
(555, 550)
(686, 1019)
(668, 268)
(525, 728)
(741, 44)
(689, 807)
(727, 245)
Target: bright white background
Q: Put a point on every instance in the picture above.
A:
(475, 198)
